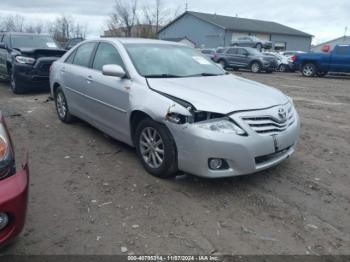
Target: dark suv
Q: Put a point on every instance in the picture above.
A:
(25, 59)
(248, 58)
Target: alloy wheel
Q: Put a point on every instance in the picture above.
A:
(255, 67)
(308, 70)
(152, 147)
(61, 105)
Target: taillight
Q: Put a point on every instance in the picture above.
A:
(294, 58)
(7, 162)
(3, 148)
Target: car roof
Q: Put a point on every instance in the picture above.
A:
(124, 40)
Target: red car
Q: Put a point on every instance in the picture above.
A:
(13, 189)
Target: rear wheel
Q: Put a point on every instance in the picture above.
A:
(308, 70)
(156, 148)
(16, 86)
(255, 67)
(62, 108)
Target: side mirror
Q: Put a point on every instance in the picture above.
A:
(2, 46)
(113, 70)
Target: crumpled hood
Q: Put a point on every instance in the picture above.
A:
(220, 94)
(42, 52)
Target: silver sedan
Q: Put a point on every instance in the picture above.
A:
(180, 110)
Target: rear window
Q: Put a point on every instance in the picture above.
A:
(342, 50)
(232, 51)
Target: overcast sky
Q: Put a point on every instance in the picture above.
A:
(323, 19)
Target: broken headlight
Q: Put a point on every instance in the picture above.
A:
(222, 125)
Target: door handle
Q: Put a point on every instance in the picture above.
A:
(89, 79)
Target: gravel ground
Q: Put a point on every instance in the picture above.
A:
(90, 195)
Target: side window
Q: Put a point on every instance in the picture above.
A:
(342, 50)
(6, 40)
(106, 54)
(70, 58)
(242, 51)
(232, 51)
(83, 54)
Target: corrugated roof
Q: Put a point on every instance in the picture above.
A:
(245, 24)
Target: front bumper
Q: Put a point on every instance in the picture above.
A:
(244, 154)
(13, 202)
(37, 75)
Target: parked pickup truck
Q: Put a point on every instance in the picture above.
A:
(319, 64)
(25, 59)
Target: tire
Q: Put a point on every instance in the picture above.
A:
(223, 64)
(258, 46)
(62, 108)
(16, 86)
(308, 70)
(282, 68)
(255, 67)
(159, 160)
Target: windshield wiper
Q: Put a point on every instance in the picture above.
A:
(205, 74)
(162, 76)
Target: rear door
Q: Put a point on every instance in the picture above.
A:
(340, 61)
(75, 72)
(109, 96)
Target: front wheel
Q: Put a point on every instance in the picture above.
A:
(62, 108)
(308, 70)
(255, 67)
(282, 68)
(156, 148)
(16, 86)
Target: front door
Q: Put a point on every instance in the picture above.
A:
(109, 95)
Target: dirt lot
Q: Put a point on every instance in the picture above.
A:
(90, 195)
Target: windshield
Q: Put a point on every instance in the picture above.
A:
(159, 60)
(33, 41)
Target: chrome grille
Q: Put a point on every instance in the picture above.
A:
(272, 122)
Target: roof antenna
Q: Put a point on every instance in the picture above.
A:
(186, 6)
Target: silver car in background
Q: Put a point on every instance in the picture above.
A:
(180, 110)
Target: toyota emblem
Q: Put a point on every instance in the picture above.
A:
(282, 114)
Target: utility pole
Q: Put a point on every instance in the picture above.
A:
(346, 30)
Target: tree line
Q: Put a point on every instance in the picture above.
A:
(128, 18)
(62, 28)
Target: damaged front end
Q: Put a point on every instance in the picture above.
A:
(211, 121)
